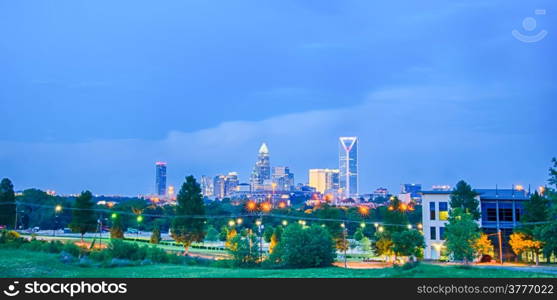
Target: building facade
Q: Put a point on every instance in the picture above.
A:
(348, 166)
(160, 178)
(324, 180)
(283, 179)
(500, 209)
(225, 185)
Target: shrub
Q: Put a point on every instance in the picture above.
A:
(122, 250)
(156, 236)
(72, 249)
(157, 255)
(244, 250)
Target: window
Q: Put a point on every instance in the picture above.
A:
(433, 233)
(432, 210)
(443, 211)
(506, 214)
(442, 233)
(491, 214)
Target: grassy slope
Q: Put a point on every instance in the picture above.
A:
(19, 263)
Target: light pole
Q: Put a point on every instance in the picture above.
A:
(345, 243)
(139, 220)
(57, 210)
(259, 227)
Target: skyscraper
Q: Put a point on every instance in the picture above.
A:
(348, 166)
(324, 180)
(160, 180)
(206, 186)
(262, 169)
(283, 179)
(225, 185)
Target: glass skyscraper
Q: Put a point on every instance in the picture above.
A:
(160, 181)
(348, 166)
(262, 169)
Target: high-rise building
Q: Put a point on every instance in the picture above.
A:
(225, 185)
(348, 166)
(324, 180)
(283, 179)
(262, 169)
(206, 186)
(160, 179)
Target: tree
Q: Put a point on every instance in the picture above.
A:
(547, 233)
(536, 209)
(384, 246)
(304, 247)
(7, 204)
(189, 222)
(212, 234)
(483, 245)
(461, 234)
(245, 251)
(359, 234)
(83, 216)
(156, 235)
(548, 236)
(230, 241)
(275, 238)
(365, 245)
(268, 233)
(117, 228)
(408, 243)
(521, 242)
(464, 197)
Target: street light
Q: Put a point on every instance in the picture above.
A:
(376, 225)
(284, 222)
(380, 229)
(258, 222)
(239, 221)
(57, 210)
(113, 216)
(409, 226)
(363, 225)
(420, 226)
(231, 223)
(139, 220)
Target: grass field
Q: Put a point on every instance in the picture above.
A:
(20, 263)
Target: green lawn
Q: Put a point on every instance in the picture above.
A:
(20, 263)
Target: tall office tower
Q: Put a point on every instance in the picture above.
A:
(160, 181)
(262, 169)
(206, 186)
(283, 179)
(225, 185)
(231, 183)
(324, 180)
(348, 166)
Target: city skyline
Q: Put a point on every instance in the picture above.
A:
(437, 91)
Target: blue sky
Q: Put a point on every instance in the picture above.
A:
(92, 93)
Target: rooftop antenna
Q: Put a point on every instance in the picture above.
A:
(528, 189)
(496, 190)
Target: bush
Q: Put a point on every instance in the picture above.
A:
(72, 249)
(304, 247)
(157, 255)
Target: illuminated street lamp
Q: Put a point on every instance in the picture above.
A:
(251, 206)
(409, 226)
(258, 222)
(57, 210)
(376, 225)
(266, 206)
(114, 216)
(363, 225)
(342, 225)
(420, 226)
(231, 223)
(380, 229)
(239, 221)
(284, 222)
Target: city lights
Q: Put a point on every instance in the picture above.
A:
(363, 210)
(266, 206)
(251, 206)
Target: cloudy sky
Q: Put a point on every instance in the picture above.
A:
(93, 93)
